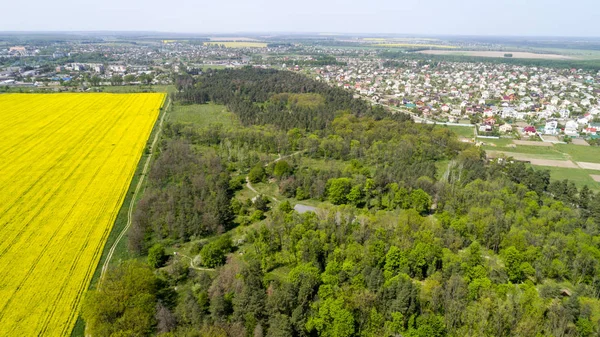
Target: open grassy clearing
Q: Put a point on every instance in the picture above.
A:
(589, 154)
(526, 156)
(203, 115)
(461, 131)
(535, 151)
(441, 167)
(576, 153)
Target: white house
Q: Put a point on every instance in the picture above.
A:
(571, 128)
(505, 128)
(583, 120)
(551, 128)
(485, 128)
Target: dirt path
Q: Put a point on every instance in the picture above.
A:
(249, 185)
(533, 161)
(135, 194)
(532, 143)
(589, 166)
(192, 263)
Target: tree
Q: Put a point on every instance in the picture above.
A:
(257, 173)
(395, 262)
(124, 303)
(129, 78)
(116, 80)
(146, 78)
(512, 260)
(214, 253)
(157, 256)
(261, 203)
(332, 319)
(355, 196)
(420, 201)
(282, 169)
(338, 190)
(95, 81)
(286, 207)
(279, 326)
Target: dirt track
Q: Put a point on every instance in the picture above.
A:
(531, 143)
(589, 166)
(581, 142)
(516, 54)
(534, 161)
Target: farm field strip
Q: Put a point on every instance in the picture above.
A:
(67, 163)
(236, 44)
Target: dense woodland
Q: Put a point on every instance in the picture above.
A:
(415, 234)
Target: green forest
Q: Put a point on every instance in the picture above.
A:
(412, 233)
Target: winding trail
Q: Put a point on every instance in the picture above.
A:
(192, 262)
(249, 185)
(135, 194)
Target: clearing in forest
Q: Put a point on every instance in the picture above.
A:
(67, 161)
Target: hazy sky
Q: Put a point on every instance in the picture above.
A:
(465, 17)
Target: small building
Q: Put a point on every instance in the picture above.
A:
(529, 130)
(489, 121)
(505, 128)
(485, 128)
(551, 128)
(571, 128)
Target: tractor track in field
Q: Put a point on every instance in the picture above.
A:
(135, 194)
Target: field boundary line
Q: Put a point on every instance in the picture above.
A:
(135, 193)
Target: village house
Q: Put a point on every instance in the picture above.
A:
(551, 128)
(529, 130)
(571, 128)
(505, 128)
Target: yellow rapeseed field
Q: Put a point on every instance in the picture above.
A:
(238, 44)
(66, 161)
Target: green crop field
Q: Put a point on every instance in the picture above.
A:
(577, 153)
(580, 177)
(497, 143)
(461, 131)
(590, 154)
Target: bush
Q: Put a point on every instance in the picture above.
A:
(286, 207)
(214, 253)
(261, 203)
(257, 173)
(157, 256)
(237, 183)
(338, 190)
(282, 169)
(257, 216)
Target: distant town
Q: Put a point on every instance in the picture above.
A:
(513, 99)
